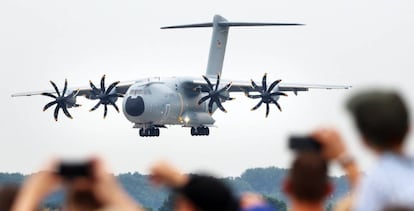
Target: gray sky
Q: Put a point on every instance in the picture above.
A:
(361, 43)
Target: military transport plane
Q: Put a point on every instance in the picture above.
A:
(156, 102)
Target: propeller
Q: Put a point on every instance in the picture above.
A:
(266, 94)
(106, 96)
(215, 94)
(62, 102)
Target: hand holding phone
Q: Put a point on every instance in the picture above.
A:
(71, 170)
(304, 143)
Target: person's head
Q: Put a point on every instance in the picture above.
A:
(194, 192)
(204, 193)
(381, 117)
(307, 181)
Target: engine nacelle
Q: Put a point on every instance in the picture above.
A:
(71, 98)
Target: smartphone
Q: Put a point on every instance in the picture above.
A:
(71, 170)
(304, 143)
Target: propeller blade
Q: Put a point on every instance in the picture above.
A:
(105, 110)
(56, 113)
(210, 106)
(94, 89)
(258, 105)
(48, 105)
(277, 104)
(272, 86)
(267, 109)
(56, 89)
(227, 87)
(113, 85)
(65, 87)
(65, 110)
(103, 84)
(49, 95)
(96, 106)
(264, 82)
(225, 97)
(208, 82)
(218, 82)
(220, 106)
(255, 87)
(115, 106)
(203, 99)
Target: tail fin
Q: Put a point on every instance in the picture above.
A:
(219, 39)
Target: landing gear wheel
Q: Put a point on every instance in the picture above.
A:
(149, 132)
(200, 131)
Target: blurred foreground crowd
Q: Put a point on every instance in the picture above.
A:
(381, 117)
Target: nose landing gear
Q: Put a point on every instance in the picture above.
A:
(200, 131)
(149, 132)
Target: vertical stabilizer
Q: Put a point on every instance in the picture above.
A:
(217, 46)
(219, 39)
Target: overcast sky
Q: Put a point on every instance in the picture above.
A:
(360, 43)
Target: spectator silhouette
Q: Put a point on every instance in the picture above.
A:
(382, 119)
(100, 190)
(307, 184)
(194, 192)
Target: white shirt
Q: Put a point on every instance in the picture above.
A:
(389, 183)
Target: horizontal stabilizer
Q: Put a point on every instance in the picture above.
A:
(258, 24)
(197, 25)
(230, 24)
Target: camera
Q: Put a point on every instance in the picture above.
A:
(304, 143)
(70, 170)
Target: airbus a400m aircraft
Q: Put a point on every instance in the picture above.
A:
(156, 102)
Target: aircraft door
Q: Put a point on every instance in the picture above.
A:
(166, 112)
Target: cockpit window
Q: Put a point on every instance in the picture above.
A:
(147, 92)
(137, 92)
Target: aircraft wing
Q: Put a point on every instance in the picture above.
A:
(121, 88)
(245, 86)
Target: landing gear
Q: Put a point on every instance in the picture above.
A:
(149, 132)
(200, 131)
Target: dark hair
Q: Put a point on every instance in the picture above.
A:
(308, 177)
(208, 194)
(8, 194)
(381, 117)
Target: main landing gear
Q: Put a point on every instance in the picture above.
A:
(200, 131)
(149, 132)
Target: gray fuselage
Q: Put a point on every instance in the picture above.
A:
(165, 101)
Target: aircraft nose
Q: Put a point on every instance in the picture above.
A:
(134, 106)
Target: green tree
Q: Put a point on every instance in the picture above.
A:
(279, 205)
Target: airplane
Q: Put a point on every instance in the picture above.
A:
(155, 102)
